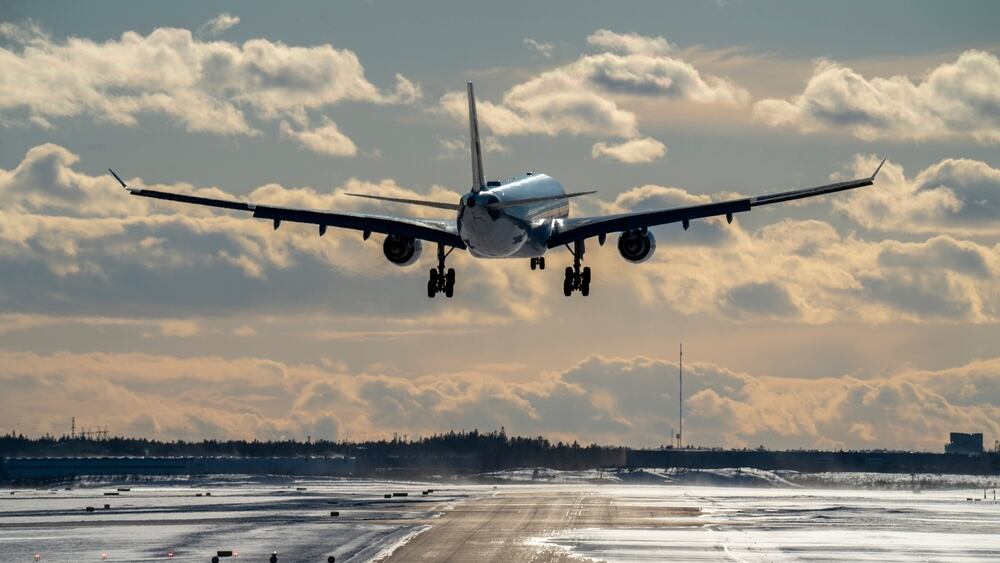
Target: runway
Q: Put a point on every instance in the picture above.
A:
(561, 523)
(358, 520)
(502, 526)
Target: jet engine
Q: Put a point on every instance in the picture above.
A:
(636, 246)
(401, 250)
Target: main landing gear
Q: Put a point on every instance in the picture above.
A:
(577, 279)
(538, 263)
(441, 280)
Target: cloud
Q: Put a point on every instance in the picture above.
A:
(958, 196)
(630, 42)
(810, 273)
(586, 97)
(325, 139)
(543, 49)
(954, 100)
(217, 25)
(611, 400)
(214, 87)
(645, 149)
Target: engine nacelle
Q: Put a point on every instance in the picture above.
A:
(401, 250)
(636, 246)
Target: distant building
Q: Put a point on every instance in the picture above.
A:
(962, 443)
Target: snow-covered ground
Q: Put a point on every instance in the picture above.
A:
(768, 524)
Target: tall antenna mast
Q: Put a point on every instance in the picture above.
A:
(680, 400)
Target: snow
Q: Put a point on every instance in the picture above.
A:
(763, 524)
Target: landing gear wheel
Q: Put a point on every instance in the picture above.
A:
(432, 284)
(441, 280)
(534, 263)
(449, 283)
(541, 262)
(576, 278)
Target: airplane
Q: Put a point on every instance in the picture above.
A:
(518, 218)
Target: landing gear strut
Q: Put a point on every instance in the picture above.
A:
(538, 263)
(577, 278)
(441, 280)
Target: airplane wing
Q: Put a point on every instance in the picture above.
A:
(432, 230)
(571, 230)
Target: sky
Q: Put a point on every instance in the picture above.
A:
(860, 320)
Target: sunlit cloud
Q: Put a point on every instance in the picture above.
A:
(954, 100)
(215, 87)
(585, 97)
(612, 400)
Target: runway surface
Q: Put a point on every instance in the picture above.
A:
(505, 525)
(656, 523)
(310, 520)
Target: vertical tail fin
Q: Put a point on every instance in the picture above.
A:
(478, 177)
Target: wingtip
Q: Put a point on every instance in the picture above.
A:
(875, 173)
(120, 181)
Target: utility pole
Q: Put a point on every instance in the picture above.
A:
(680, 399)
(72, 428)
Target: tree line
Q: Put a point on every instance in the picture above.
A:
(485, 451)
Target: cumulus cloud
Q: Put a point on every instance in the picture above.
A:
(213, 87)
(584, 97)
(217, 25)
(806, 271)
(612, 400)
(957, 99)
(634, 151)
(325, 139)
(955, 195)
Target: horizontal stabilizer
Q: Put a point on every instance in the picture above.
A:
(423, 202)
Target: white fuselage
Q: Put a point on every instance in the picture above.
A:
(514, 232)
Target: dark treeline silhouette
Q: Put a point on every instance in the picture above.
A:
(484, 451)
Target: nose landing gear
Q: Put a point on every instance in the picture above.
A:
(577, 279)
(538, 263)
(440, 279)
